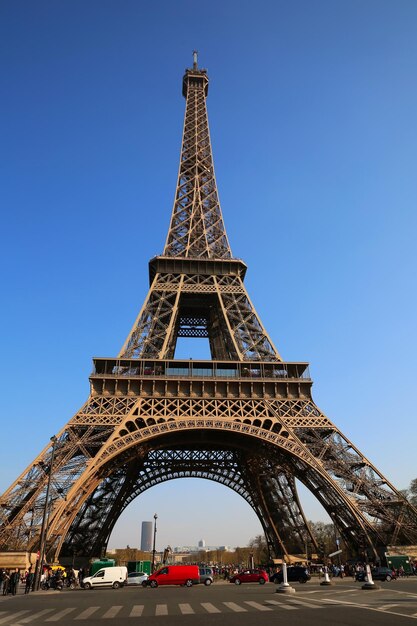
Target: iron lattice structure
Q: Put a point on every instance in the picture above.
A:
(245, 418)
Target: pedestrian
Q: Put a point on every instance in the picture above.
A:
(14, 581)
(6, 581)
(29, 580)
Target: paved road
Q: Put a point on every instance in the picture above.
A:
(342, 604)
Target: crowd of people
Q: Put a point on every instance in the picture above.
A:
(352, 569)
(12, 579)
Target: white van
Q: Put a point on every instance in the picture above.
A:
(107, 577)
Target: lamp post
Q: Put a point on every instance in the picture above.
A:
(155, 517)
(45, 516)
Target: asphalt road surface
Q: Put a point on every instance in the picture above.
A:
(342, 604)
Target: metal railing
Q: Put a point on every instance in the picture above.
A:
(199, 369)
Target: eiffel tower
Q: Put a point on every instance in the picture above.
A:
(245, 418)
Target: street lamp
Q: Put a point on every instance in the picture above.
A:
(155, 517)
(45, 516)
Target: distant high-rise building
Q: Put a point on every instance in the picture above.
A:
(146, 538)
(202, 543)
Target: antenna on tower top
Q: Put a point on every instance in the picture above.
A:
(195, 54)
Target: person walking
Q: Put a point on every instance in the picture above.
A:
(14, 581)
(29, 580)
(6, 581)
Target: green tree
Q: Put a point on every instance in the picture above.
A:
(324, 535)
(259, 549)
(413, 492)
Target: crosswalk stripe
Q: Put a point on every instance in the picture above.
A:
(288, 607)
(8, 618)
(235, 607)
(384, 607)
(30, 618)
(59, 615)
(112, 612)
(161, 609)
(256, 605)
(186, 609)
(86, 614)
(210, 608)
(136, 611)
(308, 605)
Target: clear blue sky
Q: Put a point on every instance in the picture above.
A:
(312, 109)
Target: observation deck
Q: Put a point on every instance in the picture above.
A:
(200, 378)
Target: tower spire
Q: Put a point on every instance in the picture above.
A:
(196, 229)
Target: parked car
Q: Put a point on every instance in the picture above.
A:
(136, 578)
(378, 573)
(206, 575)
(250, 576)
(185, 575)
(107, 577)
(295, 573)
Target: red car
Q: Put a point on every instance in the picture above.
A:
(250, 576)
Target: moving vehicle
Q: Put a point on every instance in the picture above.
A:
(107, 577)
(185, 575)
(136, 578)
(295, 573)
(206, 575)
(250, 576)
(378, 573)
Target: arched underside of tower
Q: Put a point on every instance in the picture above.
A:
(98, 471)
(261, 465)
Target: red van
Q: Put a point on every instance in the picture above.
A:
(187, 575)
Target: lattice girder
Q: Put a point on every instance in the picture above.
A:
(227, 467)
(143, 473)
(309, 446)
(165, 423)
(378, 500)
(224, 303)
(196, 228)
(22, 505)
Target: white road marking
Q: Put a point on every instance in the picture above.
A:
(31, 617)
(186, 609)
(137, 610)
(210, 608)
(59, 615)
(8, 618)
(235, 607)
(161, 609)
(112, 612)
(86, 614)
(367, 607)
(309, 605)
(256, 605)
(281, 605)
